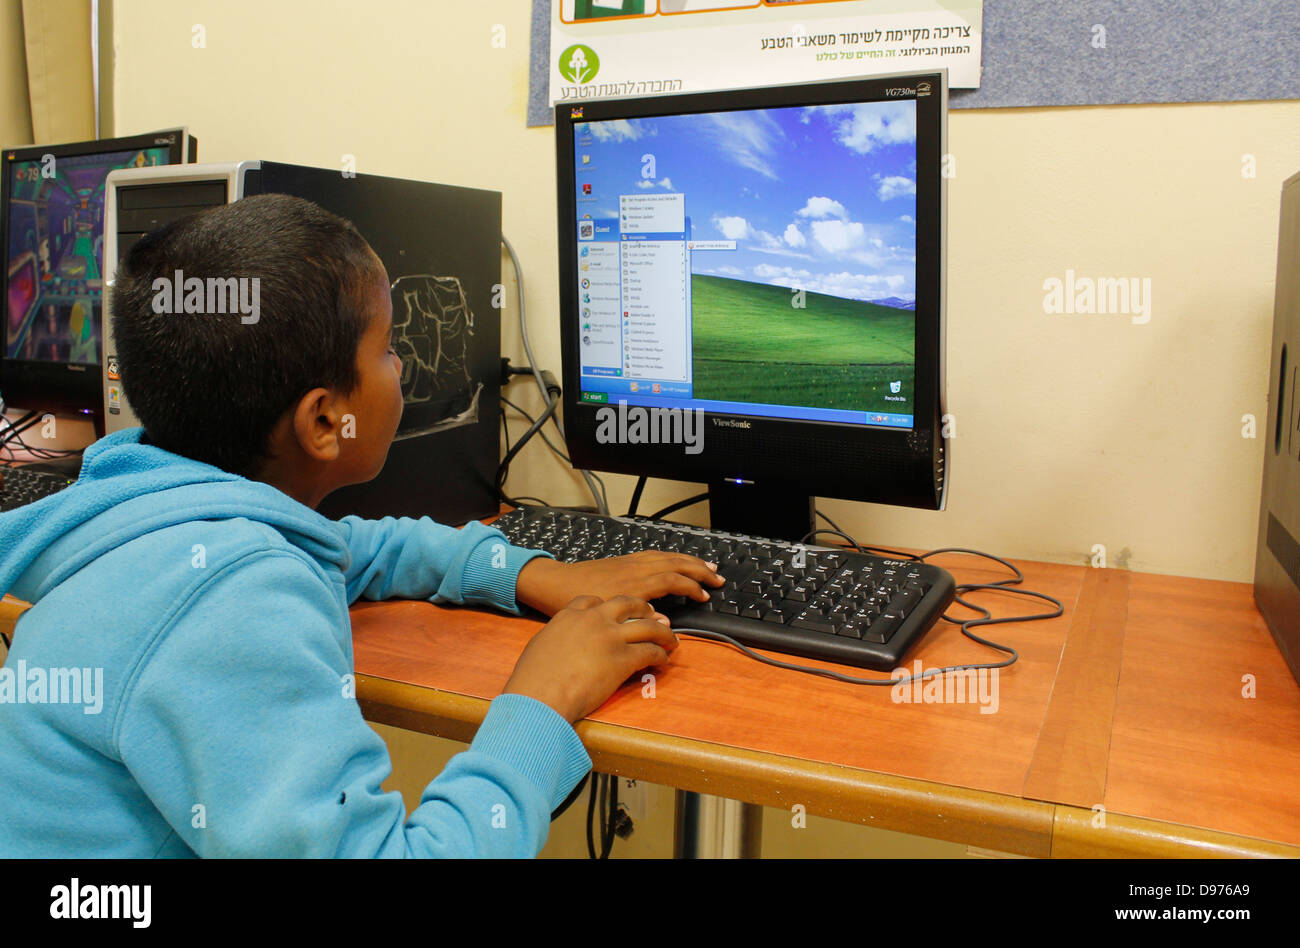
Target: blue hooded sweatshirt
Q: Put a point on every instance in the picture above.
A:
(182, 684)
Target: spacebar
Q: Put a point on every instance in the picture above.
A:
(816, 625)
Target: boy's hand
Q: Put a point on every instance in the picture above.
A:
(591, 647)
(548, 585)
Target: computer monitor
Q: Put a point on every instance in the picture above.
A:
(52, 231)
(752, 293)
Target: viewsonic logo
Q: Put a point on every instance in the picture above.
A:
(730, 423)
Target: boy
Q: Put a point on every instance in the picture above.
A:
(190, 606)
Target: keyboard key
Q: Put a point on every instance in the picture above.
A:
(882, 629)
(815, 624)
(902, 603)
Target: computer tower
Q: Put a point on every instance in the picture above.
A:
(441, 246)
(1277, 554)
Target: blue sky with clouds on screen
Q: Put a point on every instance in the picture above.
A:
(822, 198)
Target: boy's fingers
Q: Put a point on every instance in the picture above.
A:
(646, 654)
(675, 584)
(695, 568)
(644, 631)
(622, 608)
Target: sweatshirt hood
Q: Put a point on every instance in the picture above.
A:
(118, 469)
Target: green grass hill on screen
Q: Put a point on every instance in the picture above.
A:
(752, 345)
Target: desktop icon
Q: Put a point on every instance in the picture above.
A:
(586, 189)
(896, 387)
(586, 159)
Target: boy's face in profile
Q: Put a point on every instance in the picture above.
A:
(377, 402)
(330, 438)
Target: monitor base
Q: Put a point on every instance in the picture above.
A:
(746, 507)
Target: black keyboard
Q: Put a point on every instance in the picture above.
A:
(812, 601)
(20, 486)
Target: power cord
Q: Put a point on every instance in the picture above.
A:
(514, 501)
(605, 789)
(503, 469)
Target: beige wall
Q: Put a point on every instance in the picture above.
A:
(15, 107)
(1071, 430)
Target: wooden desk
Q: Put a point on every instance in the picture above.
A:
(1130, 702)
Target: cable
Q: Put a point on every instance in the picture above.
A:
(856, 545)
(673, 508)
(602, 504)
(966, 626)
(14, 433)
(564, 457)
(568, 801)
(636, 495)
(611, 818)
(1002, 585)
(834, 526)
(591, 808)
(839, 533)
(554, 450)
(503, 469)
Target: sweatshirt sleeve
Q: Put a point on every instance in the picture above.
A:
(242, 727)
(407, 558)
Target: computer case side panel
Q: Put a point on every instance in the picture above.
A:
(441, 246)
(1277, 553)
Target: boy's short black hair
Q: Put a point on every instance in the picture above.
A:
(211, 386)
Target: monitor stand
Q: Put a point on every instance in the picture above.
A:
(746, 507)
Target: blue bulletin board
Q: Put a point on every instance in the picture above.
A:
(1095, 52)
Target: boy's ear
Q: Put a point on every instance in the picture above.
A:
(318, 424)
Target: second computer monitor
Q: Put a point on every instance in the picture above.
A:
(52, 230)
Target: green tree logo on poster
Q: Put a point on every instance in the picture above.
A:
(579, 63)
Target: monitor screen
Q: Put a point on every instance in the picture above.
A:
(53, 307)
(757, 262)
